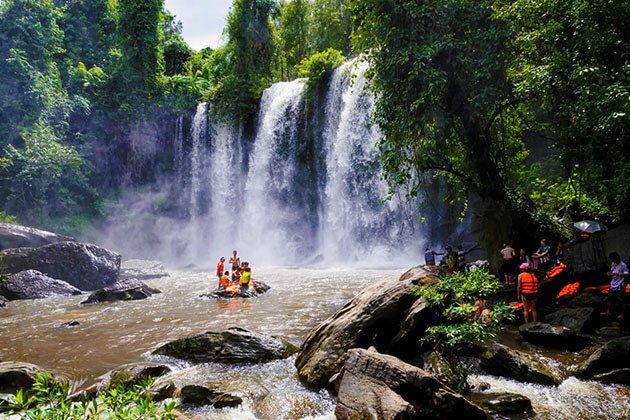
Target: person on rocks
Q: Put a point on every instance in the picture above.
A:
(541, 257)
(507, 267)
(560, 252)
(429, 256)
(224, 280)
(616, 296)
(522, 258)
(481, 312)
(451, 260)
(236, 275)
(247, 275)
(527, 291)
(235, 260)
(461, 255)
(220, 267)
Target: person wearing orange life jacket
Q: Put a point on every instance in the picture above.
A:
(220, 267)
(527, 291)
(224, 280)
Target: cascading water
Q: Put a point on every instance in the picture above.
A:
(355, 220)
(198, 135)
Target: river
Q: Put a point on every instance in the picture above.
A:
(124, 332)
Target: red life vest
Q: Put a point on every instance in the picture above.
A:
(557, 270)
(225, 281)
(569, 290)
(529, 283)
(220, 268)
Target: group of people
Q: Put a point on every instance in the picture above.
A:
(513, 263)
(241, 272)
(453, 260)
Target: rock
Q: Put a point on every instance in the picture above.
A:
(553, 336)
(259, 288)
(134, 374)
(500, 360)
(200, 395)
(589, 300)
(162, 389)
(611, 356)
(610, 331)
(31, 284)
(85, 266)
(142, 270)
(122, 290)
(378, 386)
(234, 345)
(3, 301)
(415, 320)
(69, 324)
(18, 375)
(617, 376)
(371, 318)
(426, 273)
(502, 402)
(576, 319)
(16, 236)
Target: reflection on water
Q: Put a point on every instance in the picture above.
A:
(116, 333)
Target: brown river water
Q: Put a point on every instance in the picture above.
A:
(113, 334)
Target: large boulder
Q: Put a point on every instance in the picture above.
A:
(502, 402)
(576, 319)
(18, 375)
(617, 376)
(85, 266)
(142, 270)
(234, 345)
(378, 386)
(16, 236)
(202, 395)
(372, 318)
(553, 336)
(497, 359)
(122, 290)
(223, 293)
(3, 301)
(611, 356)
(31, 284)
(422, 272)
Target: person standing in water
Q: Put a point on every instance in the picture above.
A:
(235, 260)
(220, 267)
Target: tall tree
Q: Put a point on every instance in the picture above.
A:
(293, 35)
(444, 102)
(331, 25)
(140, 35)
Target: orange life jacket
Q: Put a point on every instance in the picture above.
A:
(555, 271)
(529, 283)
(225, 281)
(517, 306)
(220, 268)
(569, 290)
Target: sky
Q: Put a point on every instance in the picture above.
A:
(203, 20)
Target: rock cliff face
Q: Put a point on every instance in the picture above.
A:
(85, 266)
(32, 284)
(16, 236)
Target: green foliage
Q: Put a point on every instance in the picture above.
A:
(48, 399)
(454, 297)
(7, 218)
(318, 66)
(176, 51)
(293, 37)
(330, 25)
(139, 23)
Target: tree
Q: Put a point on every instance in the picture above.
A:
(331, 25)
(139, 25)
(571, 63)
(176, 51)
(293, 35)
(445, 105)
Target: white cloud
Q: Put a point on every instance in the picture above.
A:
(203, 20)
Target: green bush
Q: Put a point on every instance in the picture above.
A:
(454, 297)
(319, 65)
(48, 399)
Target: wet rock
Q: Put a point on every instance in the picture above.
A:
(18, 375)
(589, 300)
(85, 266)
(553, 336)
(611, 356)
(497, 359)
(371, 318)
(617, 376)
(16, 236)
(380, 386)
(31, 284)
(502, 402)
(258, 289)
(142, 270)
(611, 330)
(122, 290)
(234, 345)
(576, 319)
(69, 324)
(415, 320)
(426, 273)
(201, 395)
(3, 301)
(162, 389)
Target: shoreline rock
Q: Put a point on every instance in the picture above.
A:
(260, 287)
(234, 345)
(32, 284)
(553, 336)
(502, 402)
(19, 375)
(122, 290)
(18, 236)
(84, 266)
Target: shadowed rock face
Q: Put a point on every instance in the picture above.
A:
(32, 284)
(122, 290)
(85, 266)
(553, 336)
(16, 236)
(382, 315)
(18, 375)
(379, 386)
(201, 395)
(614, 355)
(234, 345)
(577, 319)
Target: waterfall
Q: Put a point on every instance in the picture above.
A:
(198, 158)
